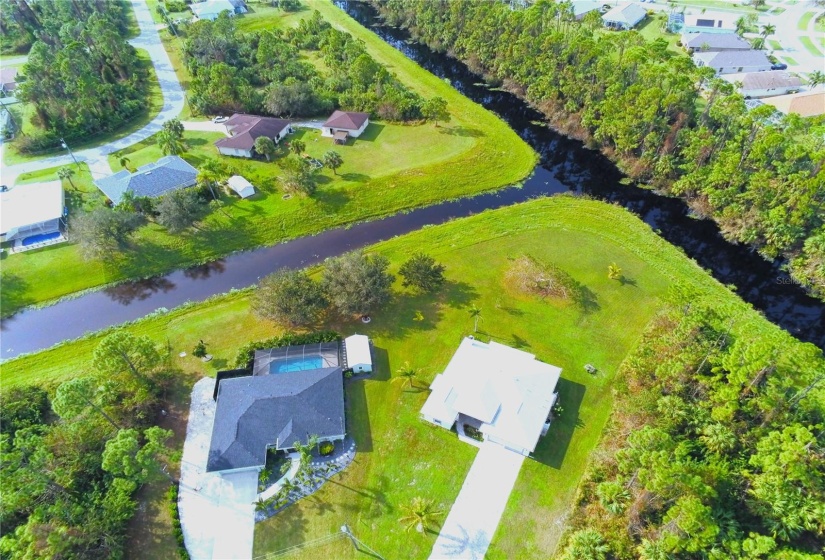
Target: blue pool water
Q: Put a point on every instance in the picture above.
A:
(40, 238)
(305, 363)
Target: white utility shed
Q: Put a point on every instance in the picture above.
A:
(31, 209)
(241, 186)
(359, 355)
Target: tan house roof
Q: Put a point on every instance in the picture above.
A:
(809, 104)
(769, 80)
(245, 129)
(347, 120)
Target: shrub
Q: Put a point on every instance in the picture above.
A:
(531, 276)
(326, 448)
(172, 497)
(247, 352)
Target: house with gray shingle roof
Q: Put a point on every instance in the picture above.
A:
(277, 406)
(625, 16)
(153, 180)
(714, 42)
(733, 62)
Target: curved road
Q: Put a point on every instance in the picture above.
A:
(173, 103)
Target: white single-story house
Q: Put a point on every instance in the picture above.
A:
(768, 84)
(211, 9)
(624, 16)
(706, 21)
(714, 42)
(358, 353)
(243, 130)
(343, 124)
(583, 7)
(241, 186)
(31, 214)
(503, 393)
(733, 62)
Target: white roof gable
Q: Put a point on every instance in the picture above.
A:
(507, 389)
(25, 205)
(358, 349)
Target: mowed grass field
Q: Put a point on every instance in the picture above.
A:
(401, 457)
(390, 168)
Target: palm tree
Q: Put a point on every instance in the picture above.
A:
(297, 147)
(170, 143)
(741, 26)
(614, 272)
(815, 78)
(124, 163)
(265, 146)
(419, 514)
(66, 172)
(210, 172)
(475, 313)
(406, 375)
(768, 29)
(333, 160)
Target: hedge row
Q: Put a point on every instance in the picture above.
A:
(172, 496)
(246, 354)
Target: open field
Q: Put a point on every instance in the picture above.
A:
(261, 17)
(25, 111)
(805, 20)
(389, 169)
(401, 457)
(809, 45)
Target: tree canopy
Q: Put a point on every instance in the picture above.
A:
(290, 297)
(357, 283)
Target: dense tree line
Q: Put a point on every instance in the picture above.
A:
(266, 73)
(81, 76)
(716, 447)
(73, 460)
(666, 122)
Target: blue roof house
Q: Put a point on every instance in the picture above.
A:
(153, 180)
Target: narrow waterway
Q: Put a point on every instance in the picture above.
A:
(565, 167)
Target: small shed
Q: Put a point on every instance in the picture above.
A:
(358, 353)
(240, 185)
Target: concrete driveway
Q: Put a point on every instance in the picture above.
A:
(217, 513)
(473, 519)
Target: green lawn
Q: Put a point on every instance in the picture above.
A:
(809, 45)
(400, 456)
(155, 103)
(719, 5)
(653, 28)
(261, 17)
(389, 169)
(775, 45)
(805, 20)
(820, 24)
(788, 59)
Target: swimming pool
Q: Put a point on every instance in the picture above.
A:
(296, 364)
(40, 238)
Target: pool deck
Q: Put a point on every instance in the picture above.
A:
(20, 248)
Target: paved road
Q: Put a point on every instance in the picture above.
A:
(173, 103)
(217, 513)
(473, 519)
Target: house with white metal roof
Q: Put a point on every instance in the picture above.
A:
(624, 16)
(31, 214)
(502, 393)
(211, 9)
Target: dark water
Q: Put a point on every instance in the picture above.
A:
(565, 167)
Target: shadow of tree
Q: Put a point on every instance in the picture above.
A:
(204, 271)
(355, 177)
(370, 133)
(15, 292)
(127, 292)
(458, 294)
(465, 131)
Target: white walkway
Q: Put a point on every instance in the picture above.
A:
(474, 517)
(173, 103)
(217, 513)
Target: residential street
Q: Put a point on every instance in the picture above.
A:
(173, 103)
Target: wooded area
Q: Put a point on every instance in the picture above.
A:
(714, 449)
(265, 72)
(81, 76)
(666, 122)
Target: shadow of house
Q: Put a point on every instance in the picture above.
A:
(552, 449)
